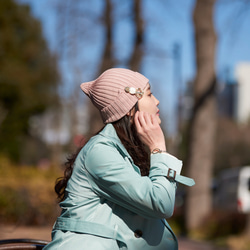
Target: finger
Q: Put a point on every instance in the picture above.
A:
(154, 120)
(141, 118)
(137, 121)
(136, 117)
(147, 118)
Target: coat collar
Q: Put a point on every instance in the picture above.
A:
(109, 132)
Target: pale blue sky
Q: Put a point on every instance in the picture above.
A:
(167, 22)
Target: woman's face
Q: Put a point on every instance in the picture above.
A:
(148, 103)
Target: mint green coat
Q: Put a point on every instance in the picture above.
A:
(110, 206)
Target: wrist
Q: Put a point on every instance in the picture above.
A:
(161, 146)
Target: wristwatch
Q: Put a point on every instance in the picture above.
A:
(157, 150)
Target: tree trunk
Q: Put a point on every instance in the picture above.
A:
(136, 56)
(203, 122)
(108, 61)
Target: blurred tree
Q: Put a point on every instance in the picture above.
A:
(203, 123)
(71, 36)
(232, 145)
(232, 150)
(137, 53)
(107, 61)
(73, 22)
(28, 75)
(74, 37)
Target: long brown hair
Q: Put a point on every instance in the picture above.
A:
(126, 131)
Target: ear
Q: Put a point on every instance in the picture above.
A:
(131, 112)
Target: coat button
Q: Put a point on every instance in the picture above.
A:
(138, 233)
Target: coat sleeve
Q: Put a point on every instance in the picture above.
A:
(114, 178)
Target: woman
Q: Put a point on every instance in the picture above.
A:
(123, 182)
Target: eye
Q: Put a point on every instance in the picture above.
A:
(150, 94)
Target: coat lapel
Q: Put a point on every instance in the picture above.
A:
(109, 132)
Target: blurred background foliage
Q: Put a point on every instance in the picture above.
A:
(28, 77)
(27, 194)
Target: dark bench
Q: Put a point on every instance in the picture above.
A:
(17, 244)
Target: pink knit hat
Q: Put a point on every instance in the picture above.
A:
(115, 92)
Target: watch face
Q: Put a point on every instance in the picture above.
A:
(156, 150)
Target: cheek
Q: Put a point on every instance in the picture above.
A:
(141, 105)
(144, 107)
(146, 104)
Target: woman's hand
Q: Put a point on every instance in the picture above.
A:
(149, 130)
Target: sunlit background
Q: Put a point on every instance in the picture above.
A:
(49, 47)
